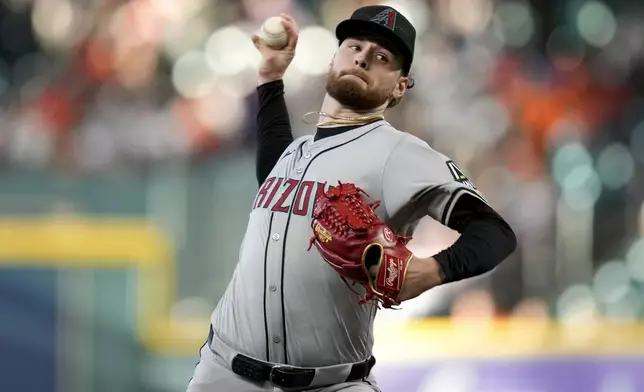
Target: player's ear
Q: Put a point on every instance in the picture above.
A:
(401, 87)
(399, 90)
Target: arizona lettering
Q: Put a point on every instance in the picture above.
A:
(278, 194)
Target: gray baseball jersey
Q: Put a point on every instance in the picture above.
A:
(285, 304)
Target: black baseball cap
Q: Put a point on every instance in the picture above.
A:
(385, 22)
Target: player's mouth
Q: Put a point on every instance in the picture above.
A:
(356, 75)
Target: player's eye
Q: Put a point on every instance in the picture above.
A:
(355, 48)
(382, 57)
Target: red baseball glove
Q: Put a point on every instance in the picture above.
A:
(352, 239)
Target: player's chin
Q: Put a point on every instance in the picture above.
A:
(352, 94)
(360, 90)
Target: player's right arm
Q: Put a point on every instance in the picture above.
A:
(273, 125)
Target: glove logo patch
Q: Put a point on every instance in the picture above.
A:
(389, 235)
(323, 235)
(393, 272)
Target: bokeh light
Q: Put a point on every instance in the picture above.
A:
(181, 37)
(564, 49)
(569, 157)
(466, 16)
(577, 305)
(175, 11)
(581, 188)
(192, 75)
(316, 47)
(596, 23)
(625, 308)
(573, 170)
(611, 282)
(517, 22)
(58, 23)
(615, 166)
(635, 260)
(230, 51)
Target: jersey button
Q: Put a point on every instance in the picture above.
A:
(273, 288)
(307, 155)
(276, 339)
(299, 171)
(276, 237)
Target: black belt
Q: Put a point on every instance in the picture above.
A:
(285, 376)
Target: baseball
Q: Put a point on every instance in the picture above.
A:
(274, 33)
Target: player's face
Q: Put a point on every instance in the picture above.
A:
(364, 75)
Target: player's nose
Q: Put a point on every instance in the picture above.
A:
(361, 61)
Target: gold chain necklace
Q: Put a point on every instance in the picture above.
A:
(343, 120)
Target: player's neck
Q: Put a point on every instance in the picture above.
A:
(332, 108)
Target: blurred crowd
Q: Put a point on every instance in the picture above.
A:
(540, 102)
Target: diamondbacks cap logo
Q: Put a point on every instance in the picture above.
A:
(386, 18)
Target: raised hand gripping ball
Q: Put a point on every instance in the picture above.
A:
(274, 33)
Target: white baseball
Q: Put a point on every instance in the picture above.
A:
(274, 33)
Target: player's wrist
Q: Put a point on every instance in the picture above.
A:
(434, 272)
(264, 78)
(426, 272)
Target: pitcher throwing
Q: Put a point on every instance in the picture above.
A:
(293, 317)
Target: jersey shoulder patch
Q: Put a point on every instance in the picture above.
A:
(458, 174)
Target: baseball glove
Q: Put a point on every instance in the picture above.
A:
(352, 239)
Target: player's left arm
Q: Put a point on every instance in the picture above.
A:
(419, 181)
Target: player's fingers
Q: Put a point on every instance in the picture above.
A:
(261, 45)
(288, 18)
(257, 41)
(294, 27)
(292, 32)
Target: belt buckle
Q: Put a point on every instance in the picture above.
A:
(285, 376)
(277, 376)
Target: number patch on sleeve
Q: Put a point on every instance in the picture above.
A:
(458, 174)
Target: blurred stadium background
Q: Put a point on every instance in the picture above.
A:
(127, 172)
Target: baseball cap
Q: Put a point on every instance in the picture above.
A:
(385, 22)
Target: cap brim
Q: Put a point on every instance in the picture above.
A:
(354, 27)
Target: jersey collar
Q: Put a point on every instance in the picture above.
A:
(328, 132)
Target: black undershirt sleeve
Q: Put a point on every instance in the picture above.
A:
(273, 127)
(486, 240)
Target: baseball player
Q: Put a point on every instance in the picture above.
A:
(289, 319)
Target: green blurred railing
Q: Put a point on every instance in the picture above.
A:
(116, 291)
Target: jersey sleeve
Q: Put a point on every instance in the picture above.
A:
(419, 181)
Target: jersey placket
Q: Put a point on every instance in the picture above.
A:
(275, 297)
(273, 303)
